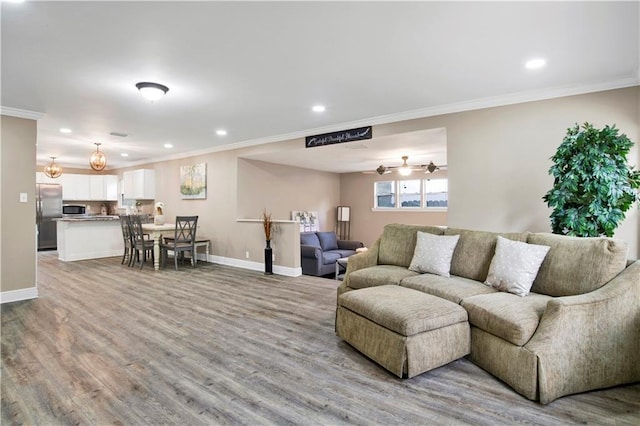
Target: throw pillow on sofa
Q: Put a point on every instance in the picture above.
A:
(515, 265)
(328, 240)
(433, 253)
(309, 239)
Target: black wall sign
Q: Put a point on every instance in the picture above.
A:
(338, 137)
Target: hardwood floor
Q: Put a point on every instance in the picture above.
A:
(107, 344)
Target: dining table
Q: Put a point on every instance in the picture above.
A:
(156, 231)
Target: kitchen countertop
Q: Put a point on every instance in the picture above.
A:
(88, 218)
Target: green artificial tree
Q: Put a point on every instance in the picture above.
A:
(594, 185)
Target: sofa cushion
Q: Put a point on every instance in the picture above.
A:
(344, 253)
(474, 251)
(510, 317)
(454, 289)
(309, 239)
(378, 275)
(577, 265)
(328, 240)
(398, 242)
(433, 253)
(515, 265)
(329, 257)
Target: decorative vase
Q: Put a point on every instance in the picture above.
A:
(268, 259)
(158, 219)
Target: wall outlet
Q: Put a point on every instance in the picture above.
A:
(246, 254)
(273, 257)
(23, 197)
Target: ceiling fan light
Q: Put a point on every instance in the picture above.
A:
(53, 170)
(152, 91)
(98, 160)
(404, 171)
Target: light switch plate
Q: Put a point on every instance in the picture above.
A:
(23, 197)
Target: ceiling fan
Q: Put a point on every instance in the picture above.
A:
(406, 169)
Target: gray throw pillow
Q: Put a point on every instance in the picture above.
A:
(515, 265)
(309, 239)
(328, 240)
(433, 253)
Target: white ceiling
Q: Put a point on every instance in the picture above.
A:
(256, 68)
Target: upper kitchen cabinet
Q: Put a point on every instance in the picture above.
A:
(75, 187)
(84, 187)
(103, 187)
(139, 184)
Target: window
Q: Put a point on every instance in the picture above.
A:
(436, 193)
(385, 194)
(412, 194)
(409, 193)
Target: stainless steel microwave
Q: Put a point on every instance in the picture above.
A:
(74, 210)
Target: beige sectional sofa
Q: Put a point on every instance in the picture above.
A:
(578, 329)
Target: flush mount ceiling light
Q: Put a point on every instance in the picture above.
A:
(404, 170)
(53, 170)
(98, 160)
(152, 91)
(168, 145)
(65, 130)
(318, 108)
(221, 132)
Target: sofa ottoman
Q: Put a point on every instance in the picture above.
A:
(406, 331)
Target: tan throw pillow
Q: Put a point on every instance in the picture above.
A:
(433, 253)
(515, 265)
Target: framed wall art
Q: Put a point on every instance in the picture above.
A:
(193, 182)
(308, 220)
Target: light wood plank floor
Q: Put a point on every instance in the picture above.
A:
(107, 344)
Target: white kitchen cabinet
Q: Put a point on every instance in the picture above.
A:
(89, 187)
(139, 184)
(111, 187)
(96, 191)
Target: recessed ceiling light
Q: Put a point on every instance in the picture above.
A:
(124, 154)
(318, 108)
(65, 130)
(221, 132)
(535, 63)
(168, 145)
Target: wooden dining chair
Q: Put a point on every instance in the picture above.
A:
(125, 224)
(141, 244)
(183, 240)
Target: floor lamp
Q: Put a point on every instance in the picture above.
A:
(343, 225)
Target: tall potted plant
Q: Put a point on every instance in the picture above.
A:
(594, 185)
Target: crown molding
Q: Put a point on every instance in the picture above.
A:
(21, 113)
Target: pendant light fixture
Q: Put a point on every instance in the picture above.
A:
(53, 170)
(152, 91)
(98, 160)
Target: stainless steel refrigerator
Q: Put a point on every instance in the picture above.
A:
(48, 207)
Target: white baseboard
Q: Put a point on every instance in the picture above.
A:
(255, 266)
(17, 295)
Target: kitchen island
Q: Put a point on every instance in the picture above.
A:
(89, 237)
